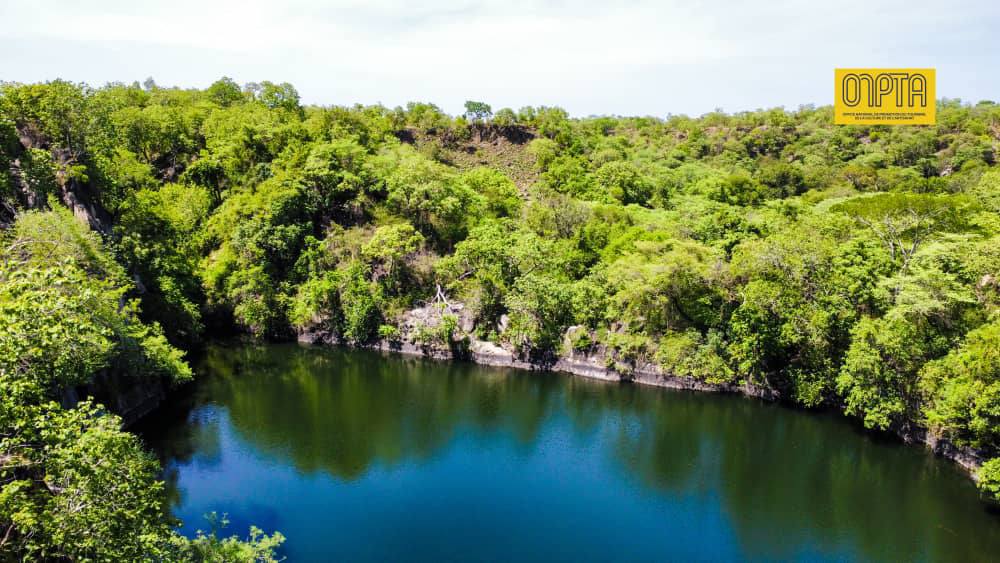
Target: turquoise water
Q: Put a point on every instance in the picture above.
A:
(355, 456)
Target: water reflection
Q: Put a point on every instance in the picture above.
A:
(784, 484)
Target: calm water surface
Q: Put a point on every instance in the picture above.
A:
(355, 456)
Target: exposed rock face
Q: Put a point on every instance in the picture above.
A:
(421, 333)
(968, 458)
(438, 330)
(432, 317)
(129, 397)
(78, 199)
(79, 196)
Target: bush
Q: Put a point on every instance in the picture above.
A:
(989, 479)
(689, 354)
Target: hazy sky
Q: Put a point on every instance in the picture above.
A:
(608, 57)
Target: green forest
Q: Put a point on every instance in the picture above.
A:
(854, 268)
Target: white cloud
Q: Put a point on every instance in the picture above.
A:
(591, 57)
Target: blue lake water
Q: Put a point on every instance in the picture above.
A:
(356, 456)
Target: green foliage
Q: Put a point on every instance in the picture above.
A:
(989, 479)
(903, 222)
(278, 96)
(987, 190)
(544, 151)
(388, 332)
(478, 111)
(878, 374)
(56, 111)
(962, 390)
(425, 117)
(39, 173)
(661, 285)
(390, 245)
(853, 267)
(739, 189)
(63, 308)
(362, 302)
(539, 312)
(440, 334)
(56, 323)
(225, 92)
(157, 233)
(257, 547)
(806, 286)
(501, 196)
(626, 350)
(73, 485)
(46, 239)
(487, 264)
(429, 195)
(689, 354)
(259, 307)
(317, 303)
(99, 499)
(624, 183)
(578, 339)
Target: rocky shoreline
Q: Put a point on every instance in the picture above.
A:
(596, 366)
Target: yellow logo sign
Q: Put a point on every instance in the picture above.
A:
(884, 96)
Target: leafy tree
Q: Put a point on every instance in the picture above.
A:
(156, 232)
(806, 286)
(842, 266)
(664, 285)
(66, 317)
(279, 96)
(989, 478)
(427, 194)
(739, 189)
(962, 390)
(781, 179)
(505, 117)
(624, 183)
(879, 378)
(225, 92)
(690, 354)
(389, 247)
(53, 113)
(987, 191)
(903, 222)
(73, 485)
(478, 111)
(539, 313)
(362, 301)
(501, 196)
(544, 151)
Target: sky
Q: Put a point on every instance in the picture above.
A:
(589, 57)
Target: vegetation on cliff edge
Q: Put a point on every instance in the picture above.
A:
(852, 266)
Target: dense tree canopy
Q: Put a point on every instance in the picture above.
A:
(73, 485)
(854, 266)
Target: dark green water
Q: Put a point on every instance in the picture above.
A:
(359, 457)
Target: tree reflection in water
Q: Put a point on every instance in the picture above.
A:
(789, 483)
